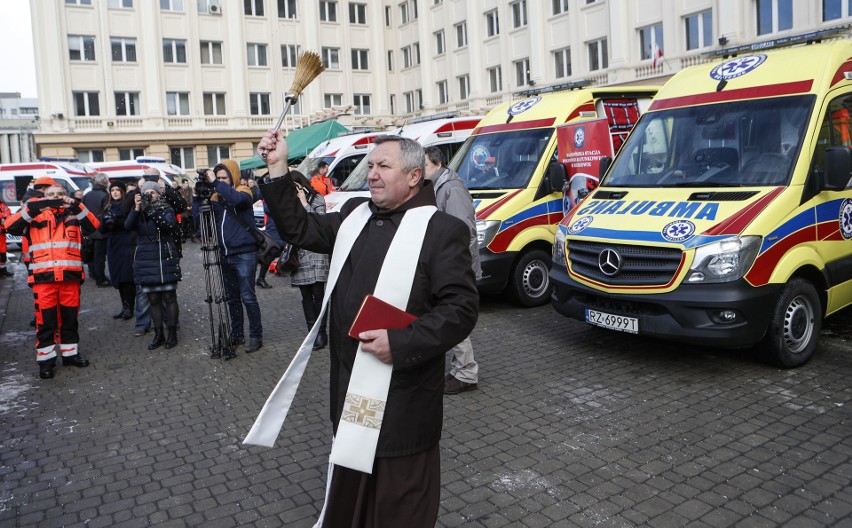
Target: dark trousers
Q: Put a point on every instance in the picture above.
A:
(238, 276)
(97, 267)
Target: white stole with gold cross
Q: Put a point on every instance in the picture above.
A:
(363, 410)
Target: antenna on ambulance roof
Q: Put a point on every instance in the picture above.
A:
(780, 42)
(573, 85)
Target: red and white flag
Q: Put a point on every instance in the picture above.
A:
(656, 54)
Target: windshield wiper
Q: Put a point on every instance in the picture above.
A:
(705, 184)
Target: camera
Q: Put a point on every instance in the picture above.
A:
(203, 188)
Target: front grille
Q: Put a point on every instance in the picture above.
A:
(640, 265)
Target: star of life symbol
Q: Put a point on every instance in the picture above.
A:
(522, 106)
(678, 231)
(363, 411)
(846, 218)
(580, 225)
(737, 67)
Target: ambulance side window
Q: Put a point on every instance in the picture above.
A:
(835, 131)
(651, 156)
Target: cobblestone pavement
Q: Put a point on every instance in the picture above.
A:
(571, 426)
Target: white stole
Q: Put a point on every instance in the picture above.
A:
(358, 430)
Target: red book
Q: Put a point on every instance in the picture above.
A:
(376, 314)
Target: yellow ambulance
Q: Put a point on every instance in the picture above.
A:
(726, 218)
(510, 166)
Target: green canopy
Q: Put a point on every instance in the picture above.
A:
(302, 141)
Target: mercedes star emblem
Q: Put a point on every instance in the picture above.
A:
(609, 262)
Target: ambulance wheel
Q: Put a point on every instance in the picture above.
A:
(530, 283)
(796, 322)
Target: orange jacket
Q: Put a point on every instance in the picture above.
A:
(322, 184)
(55, 238)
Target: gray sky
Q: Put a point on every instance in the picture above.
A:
(16, 41)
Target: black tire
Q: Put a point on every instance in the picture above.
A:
(796, 322)
(529, 284)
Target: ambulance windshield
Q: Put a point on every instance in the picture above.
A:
(734, 144)
(357, 180)
(309, 164)
(503, 160)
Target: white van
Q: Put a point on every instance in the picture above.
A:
(133, 169)
(16, 177)
(440, 130)
(342, 153)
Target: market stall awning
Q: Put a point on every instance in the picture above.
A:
(302, 141)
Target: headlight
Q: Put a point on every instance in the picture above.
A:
(723, 261)
(485, 231)
(559, 246)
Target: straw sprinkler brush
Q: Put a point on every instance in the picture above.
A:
(308, 67)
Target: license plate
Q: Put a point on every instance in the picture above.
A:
(613, 322)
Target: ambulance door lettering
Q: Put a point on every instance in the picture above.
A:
(661, 208)
(684, 209)
(642, 207)
(612, 207)
(708, 211)
(624, 210)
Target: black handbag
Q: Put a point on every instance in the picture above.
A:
(288, 261)
(87, 250)
(268, 249)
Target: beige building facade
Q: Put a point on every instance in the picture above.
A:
(195, 81)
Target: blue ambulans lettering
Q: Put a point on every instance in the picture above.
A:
(694, 210)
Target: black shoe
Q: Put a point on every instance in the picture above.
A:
(159, 339)
(103, 284)
(235, 341)
(5, 273)
(33, 322)
(140, 332)
(263, 284)
(454, 386)
(171, 339)
(75, 361)
(120, 314)
(321, 341)
(127, 313)
(45, 369)
(254, 346)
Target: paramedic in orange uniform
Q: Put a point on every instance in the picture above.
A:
(55, 226)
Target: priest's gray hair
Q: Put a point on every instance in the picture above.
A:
(411, 152)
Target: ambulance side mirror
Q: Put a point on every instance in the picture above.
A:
(553, 180)
(838, 168)
(606, 161)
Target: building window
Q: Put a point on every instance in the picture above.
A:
(562, 63)
(208, 6)
(120, 4)
(259, 103)
(332, 99)
(415, 49)
(331, 58)
(559, 6)
(443, 96)
(699, 30)
(492, 23)
(362, 104)
(409, 102)
(126, 103)
(440, 43)
(253, 7)
(171, 5)
(360, 59)
(79, 2)
(256, 54)
(289, 55)
(81, 48)
(774, 15)
(177, 103)
(174, 51)
(419, 94)
(328, 11)
(90, 155)
(211, 52)
(598, 56)
(519, 13)
(387, 16)
(392, 104)
(495, 79)
(214, 103)
(406, 57)
(461, 35)
(357, 13)
(123, 49)
(649, 38)
(131, 153)
(182, 157)
(217, 153)
(522, 72)
(834, 9)
(390, 60)
(464, 86)
(86, 104)
(403, 12)
(286, 8)
(414, 14)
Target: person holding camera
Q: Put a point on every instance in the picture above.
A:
(119, 249)
(232, 208)
(157, 264)
(55, 226)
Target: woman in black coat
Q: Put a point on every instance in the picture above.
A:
(119, 249)
(156, 265)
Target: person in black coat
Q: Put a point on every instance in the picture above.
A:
(119, 249)
(96, 201)
(156, 266)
